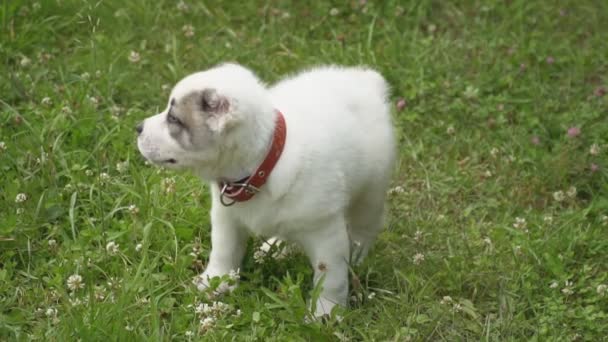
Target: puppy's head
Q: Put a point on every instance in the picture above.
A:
(201, 119)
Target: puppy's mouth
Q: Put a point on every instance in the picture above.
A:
(163, 162)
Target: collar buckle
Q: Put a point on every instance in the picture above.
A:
(232, 190)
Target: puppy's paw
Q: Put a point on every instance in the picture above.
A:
(215, 283)
(325, 311)
(323, 308)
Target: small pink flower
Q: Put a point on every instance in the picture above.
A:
(574, 132)
(535, 140)
(599, 91)
(401, 104)
(550, 60)
(594, 168)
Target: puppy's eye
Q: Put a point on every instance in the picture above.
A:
(172, 119)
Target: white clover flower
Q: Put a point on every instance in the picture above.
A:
(559, 196)
(20, 211)
(567, 290)
(114, 283)
(494, 152)
(487, 174)
(129, 327)
(94, 101)
(116, 110)
(2, 146)
(604, 219)
(46, 101)
(446, 300)
(75, 301)
(548, 219)
(571, 192)
(75, 282)
(202, 309)
(20, 198)
(100, 293)
(85, 76)
(418, 235)
(98, 73)
(133, 209)
(51, 312)
(207, 323)
(182, 6)
(88, 173)
(450, 130)
(220, 307)
(457, 307)
(520, 223)
(112, 248)
(66, 110)
(168, 185)
(122, 167)
(396, 190)
(602, 289)
(196, 250)
(52, 243)
(134, 57)
(418, 258)
(334, 12)
(104, 177)
(517, 250)
(25, 62)
(189, 334)
(594, 150)
(139, 247)
(188, 30)
(234, 275)
(487, 241)
(259, 256)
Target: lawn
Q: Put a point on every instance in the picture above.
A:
(497, 228)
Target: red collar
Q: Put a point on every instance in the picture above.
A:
(244, 189)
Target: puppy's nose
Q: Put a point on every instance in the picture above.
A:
(139, 128)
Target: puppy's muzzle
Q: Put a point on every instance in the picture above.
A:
(139, 128)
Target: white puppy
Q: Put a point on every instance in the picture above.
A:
(327, 190)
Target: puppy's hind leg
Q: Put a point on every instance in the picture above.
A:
(365, 221)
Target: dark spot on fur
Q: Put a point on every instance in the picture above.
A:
(322, 266)
(172, 102)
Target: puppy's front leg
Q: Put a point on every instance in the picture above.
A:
(328, 251)
(228, 245)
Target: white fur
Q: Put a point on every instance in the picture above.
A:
(327, 190)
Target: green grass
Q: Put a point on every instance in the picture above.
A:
(491, 89)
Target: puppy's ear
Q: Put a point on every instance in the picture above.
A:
(214, 103)
(218, 106)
